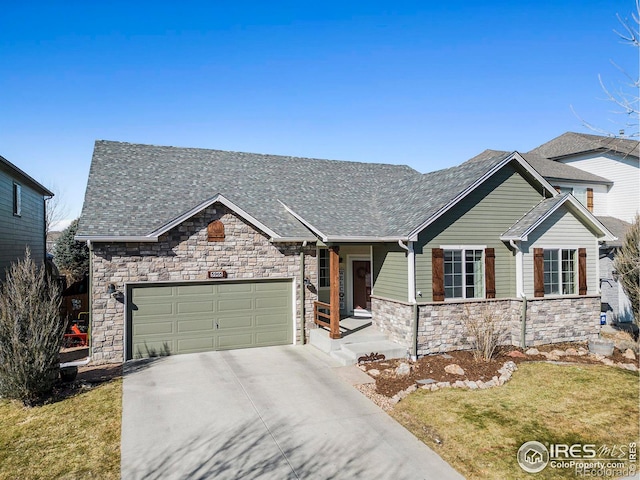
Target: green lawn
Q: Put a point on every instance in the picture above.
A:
(479, 432)
(75, 438)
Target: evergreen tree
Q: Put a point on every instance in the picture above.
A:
(71, 257)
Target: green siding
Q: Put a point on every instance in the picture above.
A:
(16, 233)
(480, 219)
(188, 318)
(390, 272)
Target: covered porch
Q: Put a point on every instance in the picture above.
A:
(344, 288)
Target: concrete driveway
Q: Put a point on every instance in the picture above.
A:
(276, 412)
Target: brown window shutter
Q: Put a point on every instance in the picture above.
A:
(437, 273)
(490, 272)
(590, 199)
(582, 271)
(215, 231)
(538, 272)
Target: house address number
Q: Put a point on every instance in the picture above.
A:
(217, 274)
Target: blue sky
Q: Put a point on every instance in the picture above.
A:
(425, 83)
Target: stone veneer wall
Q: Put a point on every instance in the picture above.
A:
(184, 254)
(568, 319)
(393, 318)
(441, 327)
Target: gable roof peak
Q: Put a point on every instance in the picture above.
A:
(573, 143)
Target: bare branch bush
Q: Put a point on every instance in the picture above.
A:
(31, 332)
(624, 96)
(56, 208)
(627, 263)
(486, 330)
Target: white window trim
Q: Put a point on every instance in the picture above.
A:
(464, 283)
(576, 285)
(318, 267)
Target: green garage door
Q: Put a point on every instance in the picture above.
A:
(198, 317)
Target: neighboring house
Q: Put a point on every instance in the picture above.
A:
(614, 200)
(22, 216)
(195, 250)
(616, 159)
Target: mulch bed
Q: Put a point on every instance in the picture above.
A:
(432, 366)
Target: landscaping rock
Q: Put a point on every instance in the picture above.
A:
(374, 372)
(426, 381)
(459, 384)
(629, 366)
(454, 369)
(571, 351)
(558, 353)
(608, 362)
(443, 384)
(471, 385)
(533, 351)
(582, 351)
(550, 356)
(403, 369)
(411, 389)
(628, 353)
(516, 354)
(447, 356)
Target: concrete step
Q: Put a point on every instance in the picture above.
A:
(342, 357)
(353, 351)
(320, 339)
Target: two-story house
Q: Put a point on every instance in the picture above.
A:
(603, 173)
(22, 216)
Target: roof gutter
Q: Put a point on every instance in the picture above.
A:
(364, 239)
(115, 238)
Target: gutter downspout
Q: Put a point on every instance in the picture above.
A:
(520, 293)
(302, 292)
(90, 297)
(523, 329)
(411, 282)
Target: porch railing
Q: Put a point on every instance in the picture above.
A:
(321, 314)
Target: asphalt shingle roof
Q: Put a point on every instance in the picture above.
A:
(533, 216)
(134, 189)
(550, 169)
(572, 143)
(616, 226)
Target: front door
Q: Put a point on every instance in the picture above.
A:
(361, 285)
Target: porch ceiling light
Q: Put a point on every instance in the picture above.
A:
(111, 289)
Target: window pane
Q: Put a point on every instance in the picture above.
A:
(581, 195)
(453, 274)
(568, 272)
(473, 274)
(551, 274)
(323, 267)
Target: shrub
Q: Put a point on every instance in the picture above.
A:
(486, 330)
(627, 262)
(31, 332)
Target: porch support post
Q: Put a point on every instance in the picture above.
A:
(334, 282)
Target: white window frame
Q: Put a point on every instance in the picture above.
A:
(463, 249)
(561, 283)
(324, 282)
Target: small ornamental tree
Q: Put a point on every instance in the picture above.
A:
(31, 332)
(627, 263)
(71, 257)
